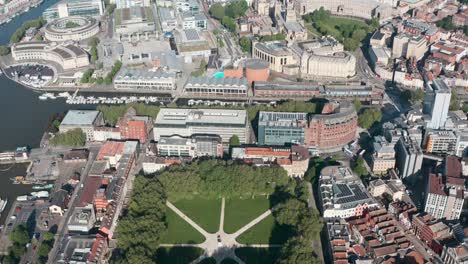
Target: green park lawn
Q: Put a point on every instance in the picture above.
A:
(179, 231)
(239, 212)
(204, 212)
(177, 255)
(266, 232)
(258, 255)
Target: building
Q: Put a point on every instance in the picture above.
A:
(131, 3)
(86, 120)
(75, 28)
(275, 52)
(279, 128)
(294, 159)
(440, 141)
(167, 19)
(383, 158)
(326, 132)
(145, 80)
(65, 8)
(365, 9)
(67, 55)
(335, 127)
(133, 127)
(82, 219)
(194, 146)
(409, 46)
(342, 194)
(427, 228)
(134, 22)
(186, 122)
(191, 44)
(191, 20)
(409, 157)
(325, 57)
(212, 86)
(439, 101)
(339, 240)
(443, 201)
(104, 133)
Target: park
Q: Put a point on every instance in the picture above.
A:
(218, 212)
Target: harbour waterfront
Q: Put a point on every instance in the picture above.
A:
(24, 116)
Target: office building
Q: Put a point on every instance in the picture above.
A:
(167, 19)
(277, 53)
(439, 141)
(133, 23)
(383, 158)
(68, 55)
(131, 3)
(325, 57)
(409, 157)
(409, 46)
(342, 194)
(294, 159)
(443, 201)
(66, 8)
(186, 122)
(85, 120)
(194, 146)
(212, 86)
(191, 20)
(145, 80)
(439, 101)
(58, 30)
(279, 128)
(82, 219)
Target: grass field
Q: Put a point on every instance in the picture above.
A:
(177, 255)
(258, 255)
(204, 212)
(239, 212)
(179, 231)
(266, 232)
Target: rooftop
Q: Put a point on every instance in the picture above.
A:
(205, 117)
(80, 117)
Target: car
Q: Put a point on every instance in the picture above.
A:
(34, 247)
(18, 208)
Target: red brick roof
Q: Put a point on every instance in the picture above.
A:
(435, 185)
(453, 167)
(89, 191)
(110, 149)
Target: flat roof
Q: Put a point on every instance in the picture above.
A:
(80, 117)
(171, 116)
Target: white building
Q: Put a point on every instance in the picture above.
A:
(85, 120)
(440, 141)
(342, 194)
(440, 104)
(131, 3)
(441, 201)
(409, 157)
(211, 86)
(143, 79)
(186, 122)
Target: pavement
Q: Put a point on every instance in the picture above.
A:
(219, 245)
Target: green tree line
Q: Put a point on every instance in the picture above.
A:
(19, 33)
(112, 113)
(229, 13)
(71, 138)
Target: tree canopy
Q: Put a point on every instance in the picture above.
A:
(217, 11)
(369, 117)
(245, 44)
(359, 168)
(71, 138)
(112, 113)
(19, 33)
(234, 141)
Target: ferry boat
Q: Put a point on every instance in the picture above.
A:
(43, 187)
(3, 204)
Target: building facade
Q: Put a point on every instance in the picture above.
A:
(142, 79)
(93, 8)
(212, 86)
(85, 120)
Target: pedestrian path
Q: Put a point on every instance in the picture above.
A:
(219, 245)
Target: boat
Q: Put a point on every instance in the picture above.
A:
(40, 194)
(22, 198)
(3, 204)
(43, 97)
(43, 187)
(64, 94)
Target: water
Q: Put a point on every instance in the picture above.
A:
(23, 115)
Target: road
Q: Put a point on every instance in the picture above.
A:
(73, 203)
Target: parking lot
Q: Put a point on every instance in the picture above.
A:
(45, 168)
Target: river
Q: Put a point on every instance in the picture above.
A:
(23, 115)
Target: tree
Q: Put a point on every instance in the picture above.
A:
(297, 250)
(72, 138)
(414, 95)
(368, 117)
(289, 212)
(4, 50)
(357, 104)
(9, 259)
(39, 37)
(217, 11)
(446, 23)
(234, 141)
(454, 102)
(245, 44)
(20, 235)
(236, 9)
(359, 168)
(48, 236)
(201, 69)
(229, 23)
(43, 250)
(87, 76)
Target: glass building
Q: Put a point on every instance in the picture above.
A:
(94, 8)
